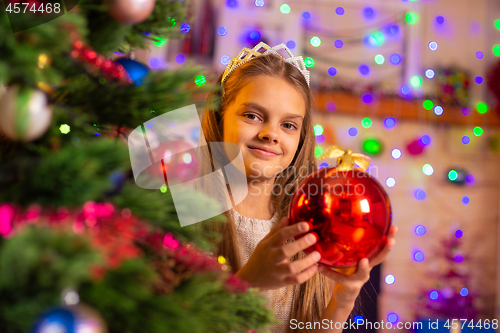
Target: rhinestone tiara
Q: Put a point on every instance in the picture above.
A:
(249, 54)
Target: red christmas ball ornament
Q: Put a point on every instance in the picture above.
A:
(348, 209)
(131, 11)
(176, 161)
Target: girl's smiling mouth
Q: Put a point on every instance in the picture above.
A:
(264, 151)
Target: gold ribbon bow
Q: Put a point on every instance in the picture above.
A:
(346, 159)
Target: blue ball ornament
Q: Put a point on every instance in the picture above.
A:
(136, 70)
(70, 319)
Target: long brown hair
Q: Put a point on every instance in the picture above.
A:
(310, 298)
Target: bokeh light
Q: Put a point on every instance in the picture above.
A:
(479, 55)
(464, 292)
(420, 194)
(221, 31)
(411, 18)
(430, 73)
(392, 317)
(379, 59)
(416, 81)
(459, 233)
(315, 41)
(465, 140)
(306, 15)
(428, 105)
(389, 122)
(482, 107)
(225, 59)
(185, 27)
(425, 139)
(452, 175)
(368, 12)
(418, 256)
(465, 200)
(367, 98)
(438, 110)
(396, 153)
(332, 71)
(389, 279)
(478, 79)
(459, 258)
(420, 230)
(433, 295)
(200, 80)
(353, 131)
(309, 62)
(338, 43)
(428, 169)
(339, 11)
(285, 9)
(433, 46)
(478, 131)
(318, 129)
(366, 123)
(364, 70)
(390, 182)
(439, 19)
(395, 59)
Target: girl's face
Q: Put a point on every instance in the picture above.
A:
(267, 113)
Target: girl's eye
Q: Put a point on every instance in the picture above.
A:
(292, 125)
(249, 114)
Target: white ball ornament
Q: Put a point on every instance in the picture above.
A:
(24, 113)
(131, 11)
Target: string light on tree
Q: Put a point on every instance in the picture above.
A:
(200, 80)
(64, 128)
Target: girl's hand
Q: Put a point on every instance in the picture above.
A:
(347, 287)
(269, 266)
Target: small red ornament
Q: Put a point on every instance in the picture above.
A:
(175, 159)
(348, 209)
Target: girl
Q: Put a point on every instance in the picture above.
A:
(264, 106)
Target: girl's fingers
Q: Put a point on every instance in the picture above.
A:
(298, 266)
(281, 236)
(362, 273)
(289, 250)
(387, 247)
(302, 277)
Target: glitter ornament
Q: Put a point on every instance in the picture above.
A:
(24, 113)
(348, 209)
(131, 11)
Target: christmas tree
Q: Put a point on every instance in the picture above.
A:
(78, 238)
(449, 296)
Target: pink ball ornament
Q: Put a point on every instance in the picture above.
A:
(131, 11)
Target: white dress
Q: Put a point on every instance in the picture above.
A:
(250, 232)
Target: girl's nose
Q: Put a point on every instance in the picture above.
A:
(269, 133)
